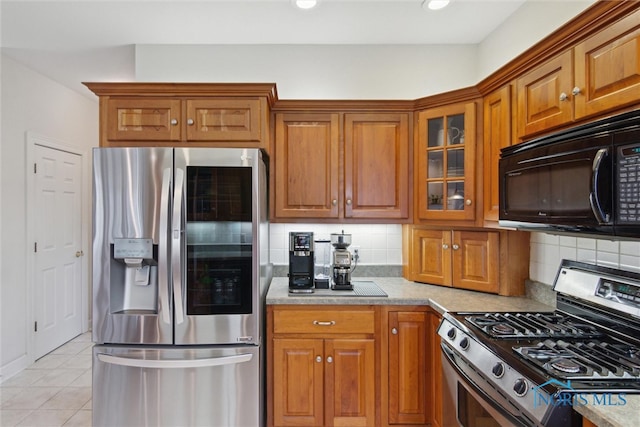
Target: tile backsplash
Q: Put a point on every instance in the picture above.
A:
(378, 244)
(548, 250)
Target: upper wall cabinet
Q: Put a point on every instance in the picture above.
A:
(600, 74)
(446, 163)
(148, 114)
(334, 165)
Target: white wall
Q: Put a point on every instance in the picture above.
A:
(317, 71)
(547, 250)
(532, 22)
(32, 102)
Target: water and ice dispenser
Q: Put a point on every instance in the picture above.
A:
(134, 276)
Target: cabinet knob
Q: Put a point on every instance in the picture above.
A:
(456, 247)
(319, 359)
(467, 202)
(445, 246)
(576, 91)
(79, 254)
(394, 331)
(174, 122)
(329, 359)
(190, 122)
(349, 202)
(564, 96)
(334, 202)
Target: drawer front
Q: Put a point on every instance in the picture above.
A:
(323, 322)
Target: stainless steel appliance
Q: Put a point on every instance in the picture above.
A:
(301, 262)
(341, 262)
(531, 369)
(322, 264)
(180, 271)
(585, 179)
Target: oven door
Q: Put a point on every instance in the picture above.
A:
(469, 400)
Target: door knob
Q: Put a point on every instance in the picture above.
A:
(79, 254)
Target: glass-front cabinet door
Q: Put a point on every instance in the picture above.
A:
(446, 162)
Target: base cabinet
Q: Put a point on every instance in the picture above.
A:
(406, 376)
(322, 366)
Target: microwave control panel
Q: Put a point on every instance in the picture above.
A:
(629, 183)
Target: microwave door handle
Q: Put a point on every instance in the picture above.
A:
(163, 249)
(176, 244)
(601, 216)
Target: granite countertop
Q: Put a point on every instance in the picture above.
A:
(405, 292)
(616, 412)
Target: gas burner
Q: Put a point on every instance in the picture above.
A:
(565, 365)
(503, 329)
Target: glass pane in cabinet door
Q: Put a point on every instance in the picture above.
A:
(435, 129)
(455, 127)
(434, 164)
(434, 195)
(455, 163)
(455, 195)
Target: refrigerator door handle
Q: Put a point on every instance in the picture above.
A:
(174, 363)
(163, 250)
(176, 245)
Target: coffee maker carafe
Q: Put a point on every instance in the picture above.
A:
(301, 262)
(341, 262)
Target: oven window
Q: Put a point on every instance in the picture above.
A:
(470, 411)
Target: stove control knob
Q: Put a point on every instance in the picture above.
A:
(521, 387)
(451, 333)
(498, 370)
(464, 343)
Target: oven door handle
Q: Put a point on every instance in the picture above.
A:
(514, 418)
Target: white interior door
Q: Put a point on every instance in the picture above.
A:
(58, 248)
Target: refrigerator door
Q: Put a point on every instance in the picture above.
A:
(132, 192)
(219, 266)
(142, 386)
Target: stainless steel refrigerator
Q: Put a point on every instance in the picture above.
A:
(180, 271)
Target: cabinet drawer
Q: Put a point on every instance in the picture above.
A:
(323, 322)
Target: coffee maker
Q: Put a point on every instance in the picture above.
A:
(301, 262)
(341, 262)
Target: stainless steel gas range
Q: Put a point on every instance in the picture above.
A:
(533, 369)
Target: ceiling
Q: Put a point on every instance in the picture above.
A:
(93, 40)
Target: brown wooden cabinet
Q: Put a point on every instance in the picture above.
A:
(597, 75)
(446, 163)
(184, 114)
(497, 135)
(322, 366)
(435, 370)
(480, 260)
(405, 391)
(331, 165)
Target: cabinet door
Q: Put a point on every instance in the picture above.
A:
(435, 374)
(475, 260)
(431, 256)
(497, 135)
(224, 120)
(306, 165)
(376, 166)
(142, 119)
(350, 382)
(446, 163)
(298, 366)
(608, 68)
(544, 96)
(408, 377)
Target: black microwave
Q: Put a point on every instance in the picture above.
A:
(582, 180)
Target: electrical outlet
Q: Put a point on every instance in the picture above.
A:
(356, 253)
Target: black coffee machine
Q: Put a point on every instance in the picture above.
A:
(300, 262)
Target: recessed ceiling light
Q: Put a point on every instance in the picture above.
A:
(305, 4)
(434, 4)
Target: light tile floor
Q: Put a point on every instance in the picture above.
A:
(54, 391)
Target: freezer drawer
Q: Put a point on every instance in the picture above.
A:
(142, 386)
